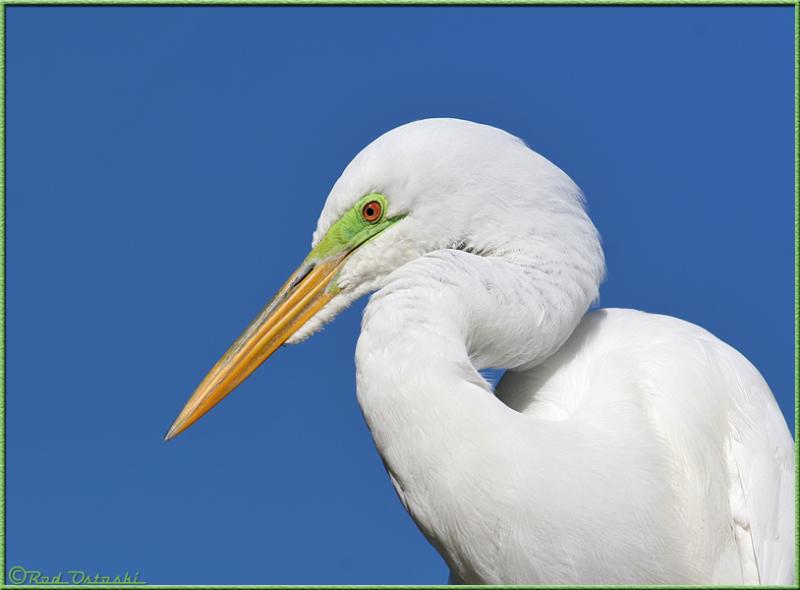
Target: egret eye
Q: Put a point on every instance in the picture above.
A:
(372, 211)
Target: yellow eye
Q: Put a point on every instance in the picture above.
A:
(372, 211)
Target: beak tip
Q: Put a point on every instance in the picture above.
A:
(171, 433)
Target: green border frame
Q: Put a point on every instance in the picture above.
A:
(401, 3)
(376, 3)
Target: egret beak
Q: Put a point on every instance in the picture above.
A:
(309, 288)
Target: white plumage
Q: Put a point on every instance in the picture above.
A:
(641, 450)
(619, 447)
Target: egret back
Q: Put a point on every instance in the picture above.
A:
(706, 411)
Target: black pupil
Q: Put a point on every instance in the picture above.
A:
(370, 211)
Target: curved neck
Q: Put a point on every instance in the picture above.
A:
(424, 337)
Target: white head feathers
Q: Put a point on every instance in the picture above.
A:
(461, 185)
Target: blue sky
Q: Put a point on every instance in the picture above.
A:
(165, 168)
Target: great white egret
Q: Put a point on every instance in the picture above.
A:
(619, 447)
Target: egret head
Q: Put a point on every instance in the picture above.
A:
(425, 186)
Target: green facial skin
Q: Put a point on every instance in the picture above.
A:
(352, 230)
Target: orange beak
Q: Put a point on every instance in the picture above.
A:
(303, 295)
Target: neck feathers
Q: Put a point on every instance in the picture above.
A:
(511, 306)
(425, 335)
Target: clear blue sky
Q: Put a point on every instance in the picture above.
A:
(165, 171)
